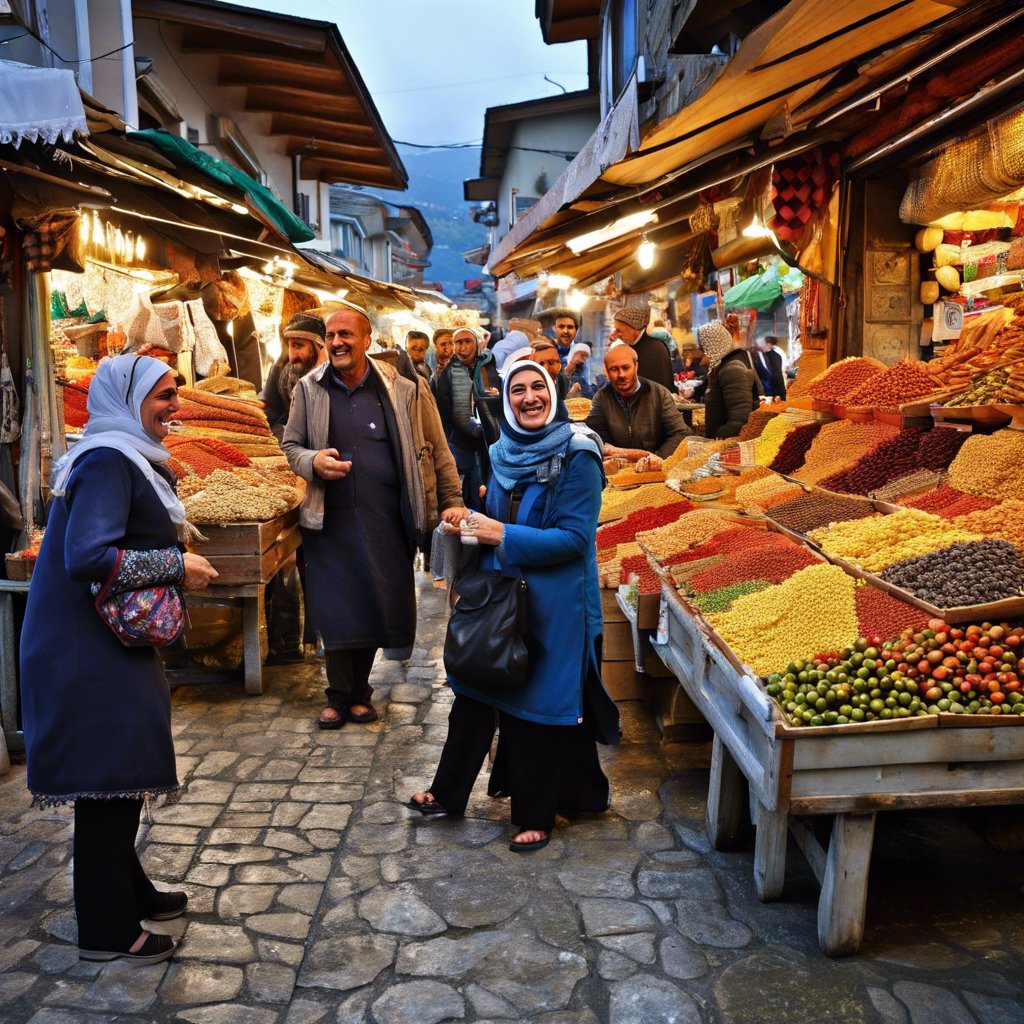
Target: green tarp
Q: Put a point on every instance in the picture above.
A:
(763, 292)
(181, 152)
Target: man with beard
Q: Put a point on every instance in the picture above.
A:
(351, 435)
(304, 337)
(566, 325)
(305, 349)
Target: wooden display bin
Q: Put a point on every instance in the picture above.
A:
(783, 775)
(249, 552)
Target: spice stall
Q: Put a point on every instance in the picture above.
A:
(140, 243)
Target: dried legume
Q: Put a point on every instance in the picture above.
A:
(991, 466)
(814, 610)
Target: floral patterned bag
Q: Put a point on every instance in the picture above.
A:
(151, 616)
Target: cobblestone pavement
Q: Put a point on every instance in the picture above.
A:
(316, 897)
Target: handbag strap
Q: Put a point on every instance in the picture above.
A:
(530, 496)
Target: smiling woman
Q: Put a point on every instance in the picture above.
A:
(540, 523)
(97, 713)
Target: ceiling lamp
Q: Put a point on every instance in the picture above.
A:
(646, 252)
(755, 229)
(559, 282)
(623, 226)
(576, 300)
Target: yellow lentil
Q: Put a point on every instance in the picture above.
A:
(815, 610)
(749, 494)
(767, 446)
(875, 543)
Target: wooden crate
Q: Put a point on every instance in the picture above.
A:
(249, 552)
(610, 610)
(19, 568)
(617, 643)
(623, 682)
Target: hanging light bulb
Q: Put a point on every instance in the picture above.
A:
(645, 253)
(98, 235)
(755, 229)
(576, 300)
(140, 249)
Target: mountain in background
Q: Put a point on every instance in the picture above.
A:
(435, 187)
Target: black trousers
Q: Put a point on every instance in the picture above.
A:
(348, 676)
(112, 892)
(543, 768)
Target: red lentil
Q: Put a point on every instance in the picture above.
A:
(882, 614)
(643, 519)
(776, 566)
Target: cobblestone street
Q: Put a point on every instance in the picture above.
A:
(315, 896)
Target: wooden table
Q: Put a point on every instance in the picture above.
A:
(247, 556)
(850, 772)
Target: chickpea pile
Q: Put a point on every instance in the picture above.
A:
(690, 529)
(842, 379)
(876, 543)
(814, 610)
(1004, 521)
(752, 494)
(990, 465)
(237, 496)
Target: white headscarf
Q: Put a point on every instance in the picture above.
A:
(116, 394)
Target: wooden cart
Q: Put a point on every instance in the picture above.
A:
(850, 772)
(247, 556)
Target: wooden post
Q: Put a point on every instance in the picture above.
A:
(727, 793)
(770, 852)
(251, 660)
(844, 891)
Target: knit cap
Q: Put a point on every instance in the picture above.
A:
(305, 325)
(636, 317)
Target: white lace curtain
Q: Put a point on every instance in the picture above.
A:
(39, 103)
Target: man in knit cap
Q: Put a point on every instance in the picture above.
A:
(653, 357)
(305, 348)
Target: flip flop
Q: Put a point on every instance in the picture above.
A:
(363, 717)
(537, 844)
(429, 808)
(332, 723)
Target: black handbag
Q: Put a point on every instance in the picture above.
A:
(485, 646)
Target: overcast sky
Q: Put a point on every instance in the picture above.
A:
(434, 66)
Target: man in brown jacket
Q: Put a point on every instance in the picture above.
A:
(636, 418)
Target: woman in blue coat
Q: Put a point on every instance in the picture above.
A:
(542, 510)
(97, 714)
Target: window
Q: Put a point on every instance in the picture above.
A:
(347, 240)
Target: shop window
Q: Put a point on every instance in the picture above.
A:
(347, 240)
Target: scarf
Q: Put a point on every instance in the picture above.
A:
(115, 402)
(716, 341)
(524, 455)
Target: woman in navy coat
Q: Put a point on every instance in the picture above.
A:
(96, 713)
(542, 509)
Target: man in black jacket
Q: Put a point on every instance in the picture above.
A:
(305, 349)
(636, 418)
(652, 354)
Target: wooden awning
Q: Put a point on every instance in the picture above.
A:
(298, 71)
(803, 62)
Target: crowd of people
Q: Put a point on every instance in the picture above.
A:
(463, 437)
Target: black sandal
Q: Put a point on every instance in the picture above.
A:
(166, 906)
(332, 723)
(154, 950)
(428, 808)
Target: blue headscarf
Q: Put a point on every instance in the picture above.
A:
(521, 454)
